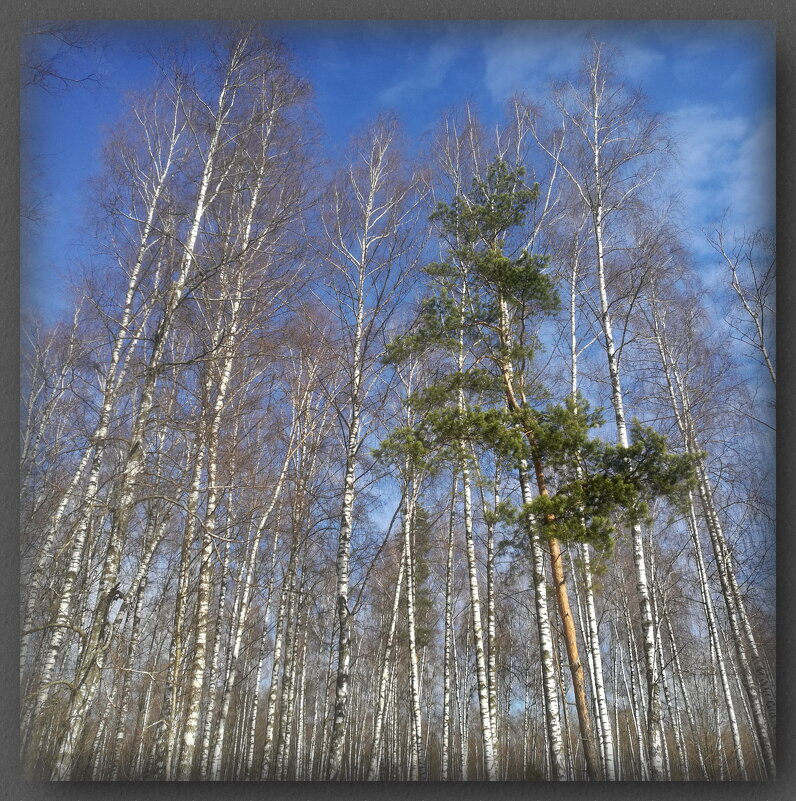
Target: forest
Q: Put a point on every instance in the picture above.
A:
(443, 463)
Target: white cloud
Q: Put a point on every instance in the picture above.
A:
(726, 163)
(428, 75)
(526, 56)
(755, 184)
(639, 60)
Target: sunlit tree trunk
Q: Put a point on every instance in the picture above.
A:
(609, 165)
(252, 728)
(741, 634)
(604, 733)
(555, 743)
(635, 698)
(490, 646)
(386, 662)
(447, 648)
(270, 718)
(139, 589)
(167, 731)
(475, 612)
(515, 404)
(288, 685)
(196, 678)
(642, 583)
(366, 221)
(300, 769)
(152, 179)
(93, 651)
(417, 764)
(38, 369)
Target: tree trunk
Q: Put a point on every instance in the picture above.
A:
(417, 764)
(553, 726)
(448, 636)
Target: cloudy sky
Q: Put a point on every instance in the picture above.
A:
(713, 80)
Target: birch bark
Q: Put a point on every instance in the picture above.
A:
(742, 636)
(379, 718)
(448, 635)
(417, 765)
(158, 173)
(367, 223)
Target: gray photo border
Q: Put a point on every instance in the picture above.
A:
(12, 785)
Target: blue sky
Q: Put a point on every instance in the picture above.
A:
(714, 81)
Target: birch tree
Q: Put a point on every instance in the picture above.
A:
(612, 140)
(367, 222)
(750, 260)
(295, 508)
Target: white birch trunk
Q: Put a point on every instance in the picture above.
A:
(710, 615)
(167, 732)
(742, 635)
(93, 654)
(196, 678)
(604, 729)
(249, 755)
(642, 583)
(343, 556)
(417, 764)
(367, 252)
(96, 449)
(490, 619)
(378, 721)
(138, 762)
(462, 705)
(555, 742)
(448, 624)
(593, 640)
(636, 702)
(478, 636)
(268, 747)
(288, 686)
(678, 671)
(212, 681)
(137, 590)
(240, 613)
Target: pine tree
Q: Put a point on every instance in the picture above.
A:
(502, 296)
